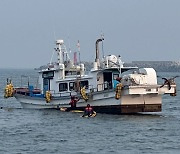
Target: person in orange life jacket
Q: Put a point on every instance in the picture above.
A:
(88, 111)
(73, 102)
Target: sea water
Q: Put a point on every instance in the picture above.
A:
(51, 131)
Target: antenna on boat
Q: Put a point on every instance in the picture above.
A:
(52, 57)
(69, 46)
(102, 37)
(55, 41)
(78, 46)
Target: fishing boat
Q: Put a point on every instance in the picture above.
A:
(138, 90)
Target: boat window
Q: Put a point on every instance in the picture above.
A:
(63, 87)
(71, 73)
(115, 76)
(48, 75)
(71, 86)
(84, 83)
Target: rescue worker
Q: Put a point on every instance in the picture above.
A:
(73, 102)
(118, 88)
(88, 111)
(117, 81)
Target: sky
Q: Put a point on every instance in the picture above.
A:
(138, 30)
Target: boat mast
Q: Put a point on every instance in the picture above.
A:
(120, 64)
(59, 43)
(61, 52)
(78, 46)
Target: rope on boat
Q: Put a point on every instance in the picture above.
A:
(118, 91)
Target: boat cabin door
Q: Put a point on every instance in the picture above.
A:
(46, 85)
(47, 76)
(107, 80)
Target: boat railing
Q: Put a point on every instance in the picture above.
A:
(26, 81)
(63, 94)
(104, 86)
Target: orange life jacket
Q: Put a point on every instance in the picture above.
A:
(73, 103)
(89, 109)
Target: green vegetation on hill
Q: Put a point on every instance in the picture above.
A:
(160, 66)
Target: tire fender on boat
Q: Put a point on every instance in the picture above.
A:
(83, 94)
(9, 90)
(48, 96)
(118, 91)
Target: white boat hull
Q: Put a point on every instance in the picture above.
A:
(101, 102)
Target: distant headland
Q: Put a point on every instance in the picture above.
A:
(159, 66)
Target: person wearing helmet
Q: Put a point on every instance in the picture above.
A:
(73, 102)
(88, 111)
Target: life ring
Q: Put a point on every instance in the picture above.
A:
(83, 94)
(48, 96)
(118, 91)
